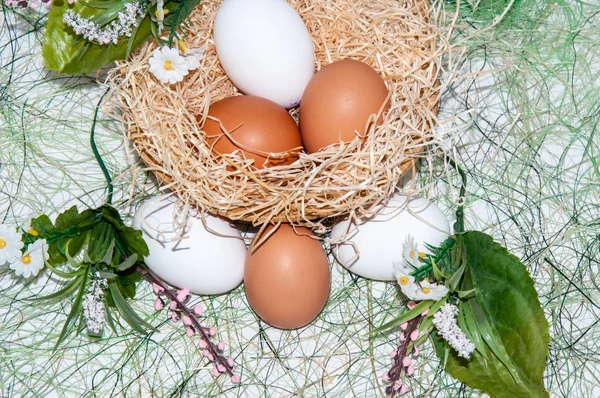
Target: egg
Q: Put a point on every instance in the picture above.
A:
(338, 102)
(206, 260)
(373, 246)
(265, 49)
(257, 124)
(287, 277)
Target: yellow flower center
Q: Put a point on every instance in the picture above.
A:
(426, 290)
(165, 12)
(403, 280)
(32, 232)
(411, 254)
(421, 254)
(168, 65)
(26, 259)
(2, 243)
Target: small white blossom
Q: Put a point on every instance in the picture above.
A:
(10, 244)
(405, 280)
(410, 251)
(193, 56)
(93, 306)
(445, 322)
(430, 291)
(122, 26)
(167, 65)
(32, 261)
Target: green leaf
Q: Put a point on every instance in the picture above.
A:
(65, 52)
(72, 217)
(42, 225)
(405, 317)
(128, 263)
(63, 293)
(504, 321)
(75, 310)
(128, 314)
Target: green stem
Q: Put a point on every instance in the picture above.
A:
(97, 153)
(459, 225)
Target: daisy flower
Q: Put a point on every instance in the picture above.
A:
(32, 261)
(405, 280)
(193, 56)
(410, 251)
(429, 291)
(167, 65)
(10, 244)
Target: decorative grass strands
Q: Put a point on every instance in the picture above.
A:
(396, 38)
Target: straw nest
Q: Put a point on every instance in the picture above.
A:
(165, 122)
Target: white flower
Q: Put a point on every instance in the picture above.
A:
(32, 261)
(430, 291)
(405, 280)
(193, 57)
(410, 251)
(10, 244)
(448, 328)
(93, 305)
(167, 65)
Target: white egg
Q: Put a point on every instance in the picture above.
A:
(265, 49)
(204, 261)
(370, 248)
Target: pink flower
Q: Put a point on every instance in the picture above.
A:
(221, 346)
(157, 289)
(189, 331)
(404, 326)
(403, 390)
(212, 331)
(411, 304)
(410, 370)
(158, 304)
(230, 363)
(183, 294)
(175, 317)
(402, 337)
(424, 313)
(406, 361)
(173, 305)
(198, 309)
(398, 385)
(187, 320)
(221, 368)
(416, 351)
(215, 371)
(394, 353)
(235, 379)
(386, 378)
(414, 335)
(203, 344)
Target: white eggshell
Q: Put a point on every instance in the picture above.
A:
(201, 261)
(373, 246)
(265, 49)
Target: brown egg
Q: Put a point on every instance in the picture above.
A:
(256, 124)
(339, 100)
(287, 278)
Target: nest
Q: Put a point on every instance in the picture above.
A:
(164, 122)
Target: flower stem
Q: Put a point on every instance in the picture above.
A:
(97, 153)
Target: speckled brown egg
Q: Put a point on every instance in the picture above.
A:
(337, 103)
(287, 277)
(257, 124)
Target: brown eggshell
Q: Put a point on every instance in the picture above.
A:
(287, 278)
(339, 100)
(257, 124)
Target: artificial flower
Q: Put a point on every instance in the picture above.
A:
(429, 291)
(10, 244)
(410, 251)
(167, 65)
(193, 56)
(448, 328)
(405, 280)
(94, 305)
(32, 261)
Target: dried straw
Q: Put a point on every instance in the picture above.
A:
(164, 122)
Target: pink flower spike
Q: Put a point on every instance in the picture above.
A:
(189, 331)
(411, 304)
(406, 361)
(403, 390)
(212, 331)
(230, 363)
(175, 317)
(402, 337)
(416, 351)
(210, 357)
(394, 353)
(414, 335)
(386, 378)
(221, 368)
(183, 294)
(205, 353)
(187, 320)
(215, 371)
(173, 305)
(410, 370)
(424, 313)
(221, 346)
(235, 379)
(198, 310)
(404, 325)
(203, 344)
(158, 304)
